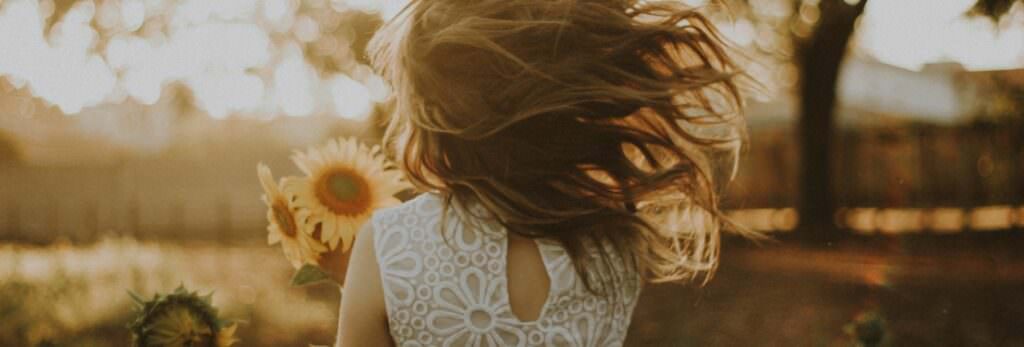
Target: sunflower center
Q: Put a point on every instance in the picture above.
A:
(344, 192)
(180, 326)
(343, 186)
(284, 219)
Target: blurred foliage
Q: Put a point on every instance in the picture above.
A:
(60, 7)
(1004, 101)
(40, 315)
(357, 29)
(993, 8)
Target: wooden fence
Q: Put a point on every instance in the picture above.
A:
(919, 166)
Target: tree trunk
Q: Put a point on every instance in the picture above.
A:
(820, 58)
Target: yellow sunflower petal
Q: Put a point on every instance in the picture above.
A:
(299, 159)
(334, 148)
(295, 186)
(348, 234)
(273, 237)
(317, 246)
(329, 231)
(351, 147)
(312, 249)
(267, 180)
(292, 253)
(316, 157)
(302, 219)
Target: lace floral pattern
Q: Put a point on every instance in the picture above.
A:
(454, 293)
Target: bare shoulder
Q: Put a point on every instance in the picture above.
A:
(363, 317)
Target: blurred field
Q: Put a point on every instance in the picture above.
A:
(926, 291)
(77, 296)
(903, 291)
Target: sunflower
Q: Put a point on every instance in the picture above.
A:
(345, 182)
(179, 319)
(286, 223)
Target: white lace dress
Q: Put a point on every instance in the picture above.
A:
(455, 293)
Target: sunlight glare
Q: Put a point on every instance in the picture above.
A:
(897, 221)
(862, 219)
(275, 10)
(210, 53)
(351, 99)
(222, 93)
(379, 89)
(306, 29)
(194, 12)
(947, 220)
(294, 83)
(741, 32)
(991, 218)
(912, 33)
(386, 8)
(133, 14)
(63, 71)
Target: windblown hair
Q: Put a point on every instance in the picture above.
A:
(582, 121)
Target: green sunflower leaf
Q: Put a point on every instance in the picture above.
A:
(309, 274)
(139, 301)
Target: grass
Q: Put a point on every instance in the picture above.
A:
(911, 291)
(64, 295)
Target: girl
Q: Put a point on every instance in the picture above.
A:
(565, 151)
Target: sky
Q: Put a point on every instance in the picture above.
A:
(246, 57)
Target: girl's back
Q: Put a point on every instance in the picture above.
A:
(584, 127)
(457, 289)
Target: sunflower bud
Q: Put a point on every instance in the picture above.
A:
(179, 319)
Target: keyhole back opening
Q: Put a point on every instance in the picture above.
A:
(527, 280)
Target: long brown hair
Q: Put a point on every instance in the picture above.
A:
(581, 121)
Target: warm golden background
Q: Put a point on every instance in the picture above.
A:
(130, 131)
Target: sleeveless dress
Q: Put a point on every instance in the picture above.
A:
(453, 292)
